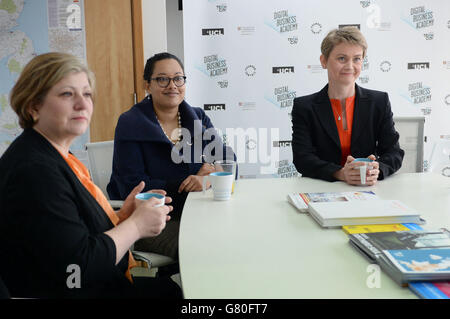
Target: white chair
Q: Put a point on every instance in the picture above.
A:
(100, 156)
(440, 158)
(412, 142)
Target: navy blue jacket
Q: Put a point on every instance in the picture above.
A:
(316, 146)
(142, 152)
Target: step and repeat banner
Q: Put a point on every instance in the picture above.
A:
(246, 61)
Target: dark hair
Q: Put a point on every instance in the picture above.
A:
(150, 64)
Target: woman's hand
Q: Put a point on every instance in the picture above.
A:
(142, 220)
(129, 205)
(206, 169)
(149, 220)
(193, 183)
(373, 171)
(351, 175)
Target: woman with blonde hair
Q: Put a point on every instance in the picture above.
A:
(343, 121)
(59, 236)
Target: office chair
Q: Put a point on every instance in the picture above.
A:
(100, 156)
(440, 158)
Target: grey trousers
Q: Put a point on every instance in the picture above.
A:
(165, 243)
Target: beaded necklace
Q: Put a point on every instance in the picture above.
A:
(179, 129)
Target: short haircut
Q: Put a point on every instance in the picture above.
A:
(150, 64)
(350, 35)
(38, 77)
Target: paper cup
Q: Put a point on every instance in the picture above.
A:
(226, 166)
(363, 173)
(221, 184)
(363, 168)
(146, 196)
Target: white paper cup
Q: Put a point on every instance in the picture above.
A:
(363, 168)
(363, 173)
(221, 184)
(226, 166)
(146, 196)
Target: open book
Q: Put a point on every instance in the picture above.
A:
(301, 200)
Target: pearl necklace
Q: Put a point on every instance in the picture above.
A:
(179, 129)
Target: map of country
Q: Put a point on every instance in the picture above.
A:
(24, 33)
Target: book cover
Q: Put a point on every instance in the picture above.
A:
(421, 261)
(431, 290)
(301, 200)
(363, 229)
(414, 239)
(374, 243)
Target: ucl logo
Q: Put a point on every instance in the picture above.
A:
(419, 66)
(214, 107)
(282, 69)
(218, 31)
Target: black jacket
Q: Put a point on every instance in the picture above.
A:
(315, 140)
(48, 222)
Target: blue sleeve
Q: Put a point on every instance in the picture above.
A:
(129, 170)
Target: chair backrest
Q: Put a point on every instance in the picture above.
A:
(411, 141)
(440, 158)
(100, 156)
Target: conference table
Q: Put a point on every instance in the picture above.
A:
(257, 245)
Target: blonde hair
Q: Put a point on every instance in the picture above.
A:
(38, 77)
(350, 35)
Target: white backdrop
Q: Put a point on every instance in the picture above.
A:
(246, 61)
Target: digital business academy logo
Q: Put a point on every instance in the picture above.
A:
(282, 22)
(282, 97)
(213, 66)
(420, 18)
(418, 93)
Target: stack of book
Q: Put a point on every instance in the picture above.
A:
(386, 232)
(414, 257)
(336, 209)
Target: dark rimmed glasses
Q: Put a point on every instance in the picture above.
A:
(164, 81)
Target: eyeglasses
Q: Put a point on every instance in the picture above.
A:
(164, 82)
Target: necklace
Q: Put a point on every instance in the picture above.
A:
(178, 128)
(339, 115)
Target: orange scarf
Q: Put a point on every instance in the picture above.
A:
(85, 178)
